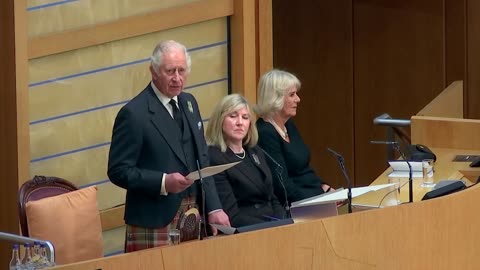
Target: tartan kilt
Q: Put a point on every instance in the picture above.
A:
(187, 220)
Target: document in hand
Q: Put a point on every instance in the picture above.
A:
(212, 170)
(325, 205)
(400, 169)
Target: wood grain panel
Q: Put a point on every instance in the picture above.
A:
(112, 218)
(398, 69)
(435, 234)
(14, 155)
(314, 41)
(472, 97)
(449, 103)
(446, 132)
(455, 40)
(243, 47)
(264, 36)
(8, 155)
(68, 15)
(129, 27)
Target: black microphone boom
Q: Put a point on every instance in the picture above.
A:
(203, 221)
(347, 179)
(279, 171)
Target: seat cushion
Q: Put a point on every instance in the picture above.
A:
(71, 221)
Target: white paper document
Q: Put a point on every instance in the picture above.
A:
(325, 205)
(339, 195)
(400, 169)
(212, 170)
(224, 229)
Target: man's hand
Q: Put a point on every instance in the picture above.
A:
(175, 182)
(218, 217)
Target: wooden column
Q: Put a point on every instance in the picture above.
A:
(264, 37)
(14, 137)
(243, 48)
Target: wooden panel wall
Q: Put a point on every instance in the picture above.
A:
(14, 154)
(398, 69)
(472, 97)
(8, 137)
(14, 100)
(314, 41)
(359, 59)
(455, 41)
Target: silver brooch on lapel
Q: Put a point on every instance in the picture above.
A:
(199, 124)
(190, 107)
(255, 159)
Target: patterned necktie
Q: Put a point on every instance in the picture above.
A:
(177, 115)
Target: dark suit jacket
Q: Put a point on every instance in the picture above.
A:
(245, 198)
(144, 147)
(299, 179)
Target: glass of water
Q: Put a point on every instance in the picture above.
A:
(428, 169)
(397, 182)
(174, 236)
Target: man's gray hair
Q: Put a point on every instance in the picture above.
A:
(167, 46)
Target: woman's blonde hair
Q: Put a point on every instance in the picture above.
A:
(229, 104)
(272, 89)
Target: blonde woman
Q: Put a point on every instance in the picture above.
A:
(245, 190)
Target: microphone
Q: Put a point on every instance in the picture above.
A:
(345, 174)
(202, 217)
(279, 168)
(396, 146)
(278, 171)
(384, 142)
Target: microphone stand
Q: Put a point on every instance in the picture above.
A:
(344, 171)
(278, 172)
(202, 217)
(410, 177)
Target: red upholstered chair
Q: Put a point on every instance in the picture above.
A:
(38, 188)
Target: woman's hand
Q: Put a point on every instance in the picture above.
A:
(327, 188)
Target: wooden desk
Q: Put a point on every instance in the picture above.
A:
(441, 233)
(445, 169)
(435, 234)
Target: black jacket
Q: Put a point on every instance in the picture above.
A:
(246, 199)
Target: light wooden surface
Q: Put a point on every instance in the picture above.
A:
(265, 37)
(434, 234)
(129, 27)
(446, 137)
(112, 218)
(244, 48)
(445, 169)
(449, 103)
(438, 132)
(14, 131)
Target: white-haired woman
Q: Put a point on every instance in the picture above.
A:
(276, 105)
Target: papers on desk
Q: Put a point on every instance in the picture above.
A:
(338, 195)
(325, 205)
(400, 169)
(212, 170)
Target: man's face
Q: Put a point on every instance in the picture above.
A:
(171, 75)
